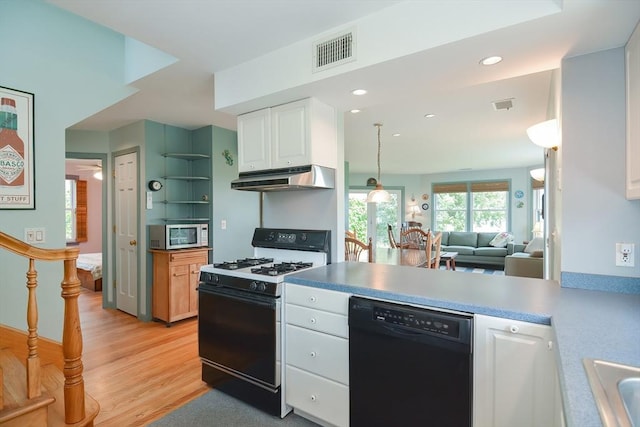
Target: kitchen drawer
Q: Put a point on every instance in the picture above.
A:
(321, 299)
(317, 396)
(191, 256)
(317, 320)
(318, 353)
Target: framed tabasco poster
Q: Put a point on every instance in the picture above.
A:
(17, 185)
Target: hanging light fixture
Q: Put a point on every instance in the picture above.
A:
(379, 194)
(537, 174)
(545, 134)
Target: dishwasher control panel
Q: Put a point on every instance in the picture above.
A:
(422, 320)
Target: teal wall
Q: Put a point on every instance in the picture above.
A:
(75, 69)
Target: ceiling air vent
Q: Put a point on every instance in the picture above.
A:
(505, 104)
(334, 50)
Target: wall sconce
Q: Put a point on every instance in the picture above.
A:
(537, 174)
(98, 175)
(545, 134)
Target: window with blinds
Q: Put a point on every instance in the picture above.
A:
(471, 206)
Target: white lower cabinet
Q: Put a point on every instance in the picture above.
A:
(514, 376)
(317, 354)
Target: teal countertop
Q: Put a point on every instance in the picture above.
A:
(586, 323)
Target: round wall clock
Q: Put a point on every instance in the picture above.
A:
(425, 206)
(155, 185)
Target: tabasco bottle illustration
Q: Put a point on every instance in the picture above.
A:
(11, 146)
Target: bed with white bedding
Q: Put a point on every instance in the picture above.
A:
(89, 268)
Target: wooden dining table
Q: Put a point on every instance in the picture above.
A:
(411, 257)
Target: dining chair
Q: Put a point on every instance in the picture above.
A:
(413, 238)
(353, 249)
(409, 225)
(349, 233)
(435, 246)
(392, 238)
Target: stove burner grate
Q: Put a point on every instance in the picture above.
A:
(281, 268)
(242, 263)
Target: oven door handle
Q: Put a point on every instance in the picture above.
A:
(256, 299)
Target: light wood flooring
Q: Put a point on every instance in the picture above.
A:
(137, 371)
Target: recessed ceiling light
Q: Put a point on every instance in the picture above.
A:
(429, 116)
(358, 91)
(490, 60)
(396, 134)
(354, 111)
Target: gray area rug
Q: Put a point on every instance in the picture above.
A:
(218, 409)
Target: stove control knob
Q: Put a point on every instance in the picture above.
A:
(262, 287)
(253, 286)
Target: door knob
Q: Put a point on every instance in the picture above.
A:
(132, 242)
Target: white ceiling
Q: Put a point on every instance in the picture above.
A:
(208, 36)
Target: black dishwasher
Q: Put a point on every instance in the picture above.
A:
(409, 366)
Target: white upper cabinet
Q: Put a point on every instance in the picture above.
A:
(633, 115)
(294, 134)
(254, 141)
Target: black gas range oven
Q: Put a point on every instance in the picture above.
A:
(239, 304)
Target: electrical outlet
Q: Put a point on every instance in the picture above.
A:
(223, 224)
(625, 254)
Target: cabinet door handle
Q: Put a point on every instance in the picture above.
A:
(312, 354)
(312, 320)
(312, 299)
(513, 329)
(313, 398)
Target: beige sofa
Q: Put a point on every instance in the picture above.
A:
(525, 261)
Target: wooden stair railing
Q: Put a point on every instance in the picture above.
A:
(74, 397)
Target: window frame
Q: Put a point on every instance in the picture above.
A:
(79, 212)
(468, 188)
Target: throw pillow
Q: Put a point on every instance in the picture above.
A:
(536, 244)
(501, 240)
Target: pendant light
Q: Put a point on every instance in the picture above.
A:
(379, 194)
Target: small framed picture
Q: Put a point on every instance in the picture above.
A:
(17, 173)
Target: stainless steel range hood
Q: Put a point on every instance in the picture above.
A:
(296, 178)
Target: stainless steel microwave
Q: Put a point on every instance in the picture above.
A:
(178, 236)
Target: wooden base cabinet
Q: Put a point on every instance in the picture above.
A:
(514, 374)
(175, 282)
(317, 354)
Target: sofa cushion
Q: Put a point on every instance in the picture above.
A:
(536, 244)
(462, 250)
(501, 240)
(485, 238)
(463, 238)
(445, 238)
(500, 252)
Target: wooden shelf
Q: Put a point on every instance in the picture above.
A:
(187, 156)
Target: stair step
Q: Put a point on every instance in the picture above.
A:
(53, 381)
(18, 409)
(46, 410)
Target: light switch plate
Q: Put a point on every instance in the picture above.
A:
(149, 200)
(34, 235)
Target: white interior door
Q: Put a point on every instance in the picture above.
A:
(126, 223)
